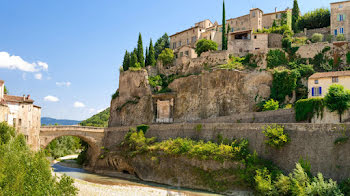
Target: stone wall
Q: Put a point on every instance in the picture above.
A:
(275, 40)
(314, 142)
(310, 50)
(309, 32)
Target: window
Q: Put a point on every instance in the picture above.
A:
(181, 54)
(316, 81)
(335, 32)
(341, 30)
(188, 41)
(194, 39)
(186, 53)
(335, 80)
(341, 17)
(341, 6)
(179, 43)
(174, 45)
(253, 13)
(255, 36)
(19, 122)
(232, 29)
(316, 91)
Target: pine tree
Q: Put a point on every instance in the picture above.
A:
(151, 54)
(295, 15)
(224, 38)
(140, 57)
(133, 60)
(147, 57)
(126, 61)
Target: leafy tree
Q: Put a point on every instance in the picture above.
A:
(166, 56)
(204, 45)
(151, 54)
(162, 43)
(140, 57)
(276, 58)
(63, 146)
(126, 61)
(295, 15)
(224, 37)
(133, 61)
(284, 83)
(337, 99)
(318, 18)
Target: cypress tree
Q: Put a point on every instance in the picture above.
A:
(147, 57)
(126, 61)
(151, 54)
(228, 29)
(140, 57)
(295, 15)
(133, 60)
(224, 39)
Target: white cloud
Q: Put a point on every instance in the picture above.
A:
(78, 104)
(67, 84)
(16, 62)
(38, 76)
(51, 98)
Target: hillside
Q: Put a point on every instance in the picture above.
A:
(53, 121)
(97, 120)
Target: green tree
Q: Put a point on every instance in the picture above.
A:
(140, 57)
(228, 29)
(204, 45)
(162, 43)
(151, 54)
(166, 56)
(295, 15)
(133, 61)
(126, 61)
(5, 90)
(97, 120)
(224, 37)
(318, 18)
(147, 57)
(337, 99)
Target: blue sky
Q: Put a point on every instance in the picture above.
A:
(72, 50)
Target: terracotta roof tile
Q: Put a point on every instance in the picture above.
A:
(17, 99)
(329, 74)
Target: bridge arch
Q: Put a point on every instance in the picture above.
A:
(92, 135)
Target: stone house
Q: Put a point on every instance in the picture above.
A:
(319, 83)
(339, 22)
(241, 35)
(21, 113)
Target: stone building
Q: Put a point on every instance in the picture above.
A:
(21, 113)
(241, 33)
(339, 23)
(319, 83)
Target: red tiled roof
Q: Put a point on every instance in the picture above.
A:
(329, 74)
(2, 82)
(17, 99)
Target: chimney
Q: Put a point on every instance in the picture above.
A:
(28, 97)
(275, 9)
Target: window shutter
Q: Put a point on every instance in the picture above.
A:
(338, 17)
(320, 90)
(313, 91)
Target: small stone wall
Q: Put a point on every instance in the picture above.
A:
(310, 50)
(275, 40)
(308, 33)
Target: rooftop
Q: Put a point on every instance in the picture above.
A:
(2, 82)
(329, 74)
(18, 99)
(340, 2)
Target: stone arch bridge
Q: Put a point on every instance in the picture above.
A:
(92, 135)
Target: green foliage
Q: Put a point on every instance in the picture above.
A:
(198, 127)
(83, 156)
(155, 81)
(337, 99)
(5, 90)
(6, 133)
(23, 172)
(224, 36)
(116, 94)
(321, 61)
(233, 63)
(140, 56)
(275, 136)
(348, 58)
(341, 140)
(345, 187)
(126, 61)
(97, 120)
(284, 83)
(166, 56)
(63, 146)
(340, 37)
(295, 15)
(305, 109)
(317, 37)
(143, 128)
(318, 18)
(275, 29)
(204, 45)
(271, 105)
(304, 70)
(133, 61)
(162, 43)
(137, 142)
(151, 55)
(276, 58)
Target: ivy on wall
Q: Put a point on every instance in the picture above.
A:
(305, 109)
(284, 83)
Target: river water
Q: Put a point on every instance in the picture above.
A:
(95, 184)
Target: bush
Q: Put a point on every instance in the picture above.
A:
(271, 105)
(329, 38)
(276, 58)
(143, 128)
(155, 81)
(337, 99)
(284, 83)
(340, 37)
(275, 136)
(204, 45)
(317, 37)
(305, 109)
(348, 58)
(318, 18)
(233, 63)
(166, 56)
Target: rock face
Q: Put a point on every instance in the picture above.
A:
(134, 103)
(219, 93)
(179, 171)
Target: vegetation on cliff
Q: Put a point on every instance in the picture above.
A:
(23, 172)
(97, 120)
(204, 45)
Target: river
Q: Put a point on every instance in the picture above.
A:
(95, 184)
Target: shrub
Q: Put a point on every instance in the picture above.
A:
(345, 186)
(275, 135)
(317, 37)
(143, 128)
(284, 83)
(204, 45)
(300, 40)
(341, 140)
(166, 56)
(305, 71)
(337, 99)
(233, 63)
(318, 18)
(271, 105)
(340, 37)
(305, 109)
(276, 58)
(155, 81)
(329, 38)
